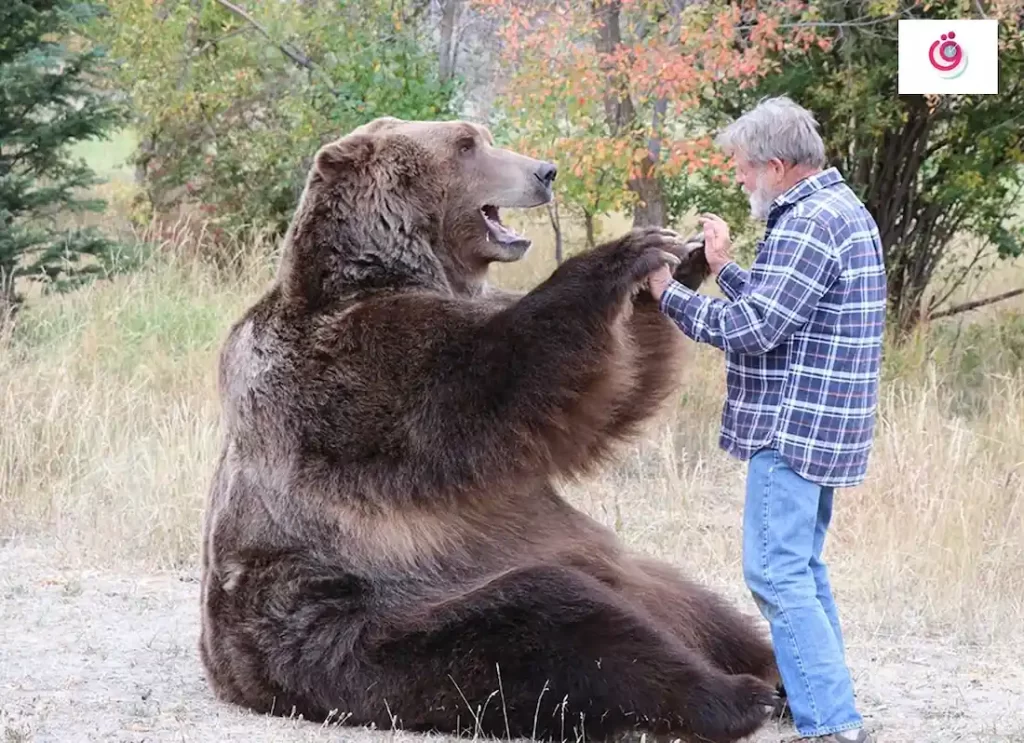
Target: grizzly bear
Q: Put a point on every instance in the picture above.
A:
(383, 541)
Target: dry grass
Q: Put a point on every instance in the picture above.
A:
(108, 410)
(109, 430)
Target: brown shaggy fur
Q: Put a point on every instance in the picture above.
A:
(383, 542)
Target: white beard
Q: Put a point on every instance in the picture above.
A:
(761, 200)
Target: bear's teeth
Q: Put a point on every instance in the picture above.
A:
(502, 234)
(491, 213)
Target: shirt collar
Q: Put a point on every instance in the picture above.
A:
(804, 188)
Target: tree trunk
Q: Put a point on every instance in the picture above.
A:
(144, 154)
(8, 296)
(556, 227)
(450, 10)
(621, 115)
(651, 207)
(588, 221)
(618, 106)
(887, 171)
(650, 211)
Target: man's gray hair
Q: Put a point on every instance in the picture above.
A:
(775, 128)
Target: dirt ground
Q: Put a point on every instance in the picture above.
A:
(91, 655)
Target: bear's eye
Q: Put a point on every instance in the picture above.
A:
(466, 145)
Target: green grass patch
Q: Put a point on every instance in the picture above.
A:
(109, 158)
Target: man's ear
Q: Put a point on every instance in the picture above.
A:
(778, 167)
(344, 154)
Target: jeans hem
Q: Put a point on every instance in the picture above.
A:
(822, 732)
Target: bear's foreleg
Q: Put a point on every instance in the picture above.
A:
(734, 642)
(530, 390)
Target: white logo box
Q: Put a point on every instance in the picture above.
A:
(948, 57)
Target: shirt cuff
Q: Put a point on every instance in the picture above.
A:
(674, 299)
(728, 278)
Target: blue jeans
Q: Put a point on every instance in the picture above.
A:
(784, 523)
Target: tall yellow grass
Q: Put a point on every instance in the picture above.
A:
(109, 430)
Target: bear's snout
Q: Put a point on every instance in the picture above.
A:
(546, 173)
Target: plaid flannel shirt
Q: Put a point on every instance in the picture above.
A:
(802, 332)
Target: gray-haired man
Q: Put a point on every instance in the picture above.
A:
(802, 332)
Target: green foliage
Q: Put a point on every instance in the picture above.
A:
(230, 110)
(609, 91)
(47, 104)
(932, 170)
(707, 190)
(592, 166)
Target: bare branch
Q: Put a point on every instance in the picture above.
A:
(295, 55)
(967, 306)
(863, 22)
(952, 284)
(213, 42)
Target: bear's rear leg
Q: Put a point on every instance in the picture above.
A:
(552, 653)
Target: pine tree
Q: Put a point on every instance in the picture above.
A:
(47, 104)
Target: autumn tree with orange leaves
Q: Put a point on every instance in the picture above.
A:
(608, 90)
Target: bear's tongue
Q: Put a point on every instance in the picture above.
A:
(499, 232)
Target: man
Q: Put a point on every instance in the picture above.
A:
(802, 331)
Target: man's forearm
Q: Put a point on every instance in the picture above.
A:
(686, 308)
(730, 326)
(792, 272)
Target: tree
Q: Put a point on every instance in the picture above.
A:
(609, 90)
(448, 46)
(932, 170)
(232, 99)
(47, 103)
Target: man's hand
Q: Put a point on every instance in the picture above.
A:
(717, 245)
(658, 281)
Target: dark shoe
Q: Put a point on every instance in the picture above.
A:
(782, 712)
(848, 736)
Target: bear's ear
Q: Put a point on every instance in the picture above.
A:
(344, 154)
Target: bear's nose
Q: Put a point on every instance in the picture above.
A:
(546, 173)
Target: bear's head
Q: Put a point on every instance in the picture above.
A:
(396, 202)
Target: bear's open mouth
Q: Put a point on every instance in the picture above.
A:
(499, 232)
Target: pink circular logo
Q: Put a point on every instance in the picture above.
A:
(947, 56)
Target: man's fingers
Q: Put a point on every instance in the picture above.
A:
(713, 226)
